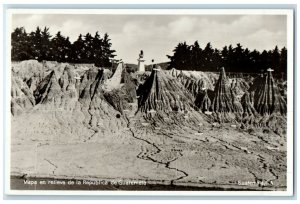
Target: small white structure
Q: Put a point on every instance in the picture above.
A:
(141, 62)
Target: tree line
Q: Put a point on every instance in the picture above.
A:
(233, 59)
(40, 45)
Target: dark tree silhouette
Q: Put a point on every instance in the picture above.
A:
(98, 49)
(88, 48)
(36, 48)
(181, 57)
(283, 63)
(46, 51)
(107, 51)
(40, 46)
(20, 45)
(208, 55)
(233, 59)
(196, 55)
(61, 48)
(275, 59)
(78, 52)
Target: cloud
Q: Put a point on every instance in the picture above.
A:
(182, 27)
(30, 22)
(72, 29)
(264, 39)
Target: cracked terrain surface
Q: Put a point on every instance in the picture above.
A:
(165, 154)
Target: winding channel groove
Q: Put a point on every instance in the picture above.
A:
(158, 150)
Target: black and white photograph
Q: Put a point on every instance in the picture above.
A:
(150, 101)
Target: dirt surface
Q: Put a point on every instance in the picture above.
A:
(73, 133)
(166, 154)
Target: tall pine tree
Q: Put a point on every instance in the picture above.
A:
(20, 45)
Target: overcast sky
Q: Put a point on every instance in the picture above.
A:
(158, 35)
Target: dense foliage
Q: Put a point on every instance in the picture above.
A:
(40, 45)
(233, 59)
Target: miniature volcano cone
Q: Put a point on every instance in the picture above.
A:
(161, 92)
(222, 101)
(267, 98)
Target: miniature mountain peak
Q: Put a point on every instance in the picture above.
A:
(267, 98)
(161, 92)
(222, 101)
